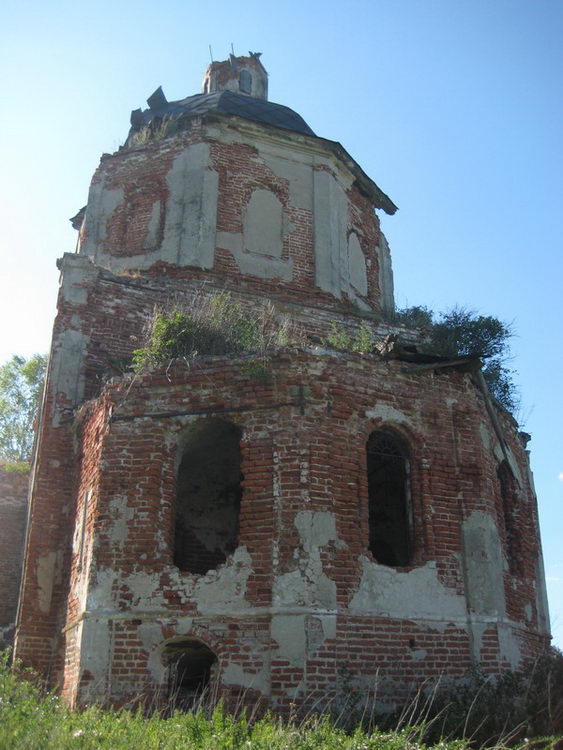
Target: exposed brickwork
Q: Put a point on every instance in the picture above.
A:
(13, 518)
(301, 611)
(315, 461)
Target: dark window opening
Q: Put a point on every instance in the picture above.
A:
(390, 524)
(208, 495)
(190, 663)
(245, 82)
(509, 509)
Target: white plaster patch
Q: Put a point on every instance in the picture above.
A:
(153, 229)
(331, 224)
(95, 651)
(100, 595)
(225, 589)
(298, 174)
(388, 413)
(234, 674)
(386, 286)
(121, 515)
(357, 265)
(102, 203)
(67, 377)
(483, 565)
(541, 597)
(76, 276)
(308, 585)
(155, 664)
(419, 654)
(289, 633)
(329, 625)
(485, 437)
(150, 634)
(144, 589)
(254, 263)
(340, 265)
(191, 209)
(302, 149)
(416, 594)
(184, 625)
(498, 452)
(513, 463)
(316, 528)
(509, 645)
(263, 223)
(477, 631)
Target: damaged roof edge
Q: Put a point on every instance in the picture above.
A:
(378, 198)
(373, 191)
(298, 128)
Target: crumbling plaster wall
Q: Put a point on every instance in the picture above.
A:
(14, 487)
(252, 201)
(99, 321)
(302, 570)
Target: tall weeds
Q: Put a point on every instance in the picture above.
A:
(212, 325)
(32, 720)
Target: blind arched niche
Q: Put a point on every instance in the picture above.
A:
(208, 495)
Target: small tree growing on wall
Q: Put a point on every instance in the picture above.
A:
(21, 382)
(460, 331)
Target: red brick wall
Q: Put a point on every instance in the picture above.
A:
(298, 455)
(101, 594)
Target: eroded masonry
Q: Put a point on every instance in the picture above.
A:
(348, 522)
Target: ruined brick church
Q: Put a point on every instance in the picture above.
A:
(360, 522)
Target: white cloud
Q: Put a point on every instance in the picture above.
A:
(560, 477)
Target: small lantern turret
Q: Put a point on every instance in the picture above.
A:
(242, 75)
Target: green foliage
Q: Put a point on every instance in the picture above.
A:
(155, 131)
(362, 343)
(338, 338)
(459, 332)
(214, 326)
(256, 369)
(32, 720)
(21, 382)
(526, 703)
(417, 316)
(17, 467)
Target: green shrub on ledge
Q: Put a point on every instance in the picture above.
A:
(217, 325)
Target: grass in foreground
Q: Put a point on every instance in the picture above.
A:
(29, 720)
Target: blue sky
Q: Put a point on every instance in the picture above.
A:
(454, 108)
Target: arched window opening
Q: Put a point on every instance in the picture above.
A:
(245, 82)
(390, 521)
(208, 495)
(190, 664)
(508, 500)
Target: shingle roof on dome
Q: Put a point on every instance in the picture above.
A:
(226, 102)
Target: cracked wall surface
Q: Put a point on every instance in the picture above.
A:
(300, 596)
(286, 212)
(293, 604)
(14, 486)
